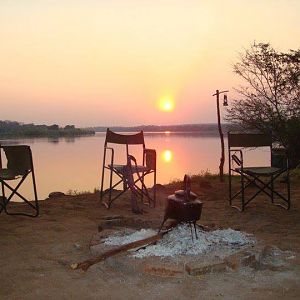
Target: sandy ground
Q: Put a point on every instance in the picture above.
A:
(35, 254)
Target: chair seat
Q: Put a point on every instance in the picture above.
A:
(7, 174)
(135, 169)
(261, 171)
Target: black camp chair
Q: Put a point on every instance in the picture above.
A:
(19, 166)
(263, 178)
(120, 171)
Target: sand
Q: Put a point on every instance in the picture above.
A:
(35, 253)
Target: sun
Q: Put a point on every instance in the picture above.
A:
(166, 103)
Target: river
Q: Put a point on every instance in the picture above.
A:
(75, 164)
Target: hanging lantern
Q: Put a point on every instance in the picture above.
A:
(225, 100)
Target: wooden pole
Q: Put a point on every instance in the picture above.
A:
(222, 159)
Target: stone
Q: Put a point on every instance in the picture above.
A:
(205, 268)
(274, 259)
(56, 194)
(106, 224)
(164, 270)
(159, 187)
(113, 217)
(241, 259)
(77, 246)
(249, 260)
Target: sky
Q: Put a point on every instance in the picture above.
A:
(130, 62)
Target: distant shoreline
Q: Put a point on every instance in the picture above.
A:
(13, 129)
(194, 129)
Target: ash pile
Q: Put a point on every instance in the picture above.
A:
(178, 242)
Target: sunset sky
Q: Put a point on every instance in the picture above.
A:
(129, 62)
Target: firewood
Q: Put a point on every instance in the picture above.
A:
(84, 265)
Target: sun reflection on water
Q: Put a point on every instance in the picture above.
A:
(167, 155)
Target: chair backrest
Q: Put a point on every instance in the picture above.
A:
(125, 139)
(249, 139)
(19, 159)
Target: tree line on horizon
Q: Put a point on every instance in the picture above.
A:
(15, 129)
(205, 129)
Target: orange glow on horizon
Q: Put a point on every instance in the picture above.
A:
(167, 155)
(89, 61)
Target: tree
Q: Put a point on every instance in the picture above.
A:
(69, 127)
(270, 100)
(54, 127)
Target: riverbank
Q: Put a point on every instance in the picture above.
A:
(36, 253)
(15, 130)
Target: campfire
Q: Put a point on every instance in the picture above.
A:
(178, 242)
(185, 208)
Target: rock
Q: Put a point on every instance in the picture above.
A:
(113, 217)
(206, 267)
(241, 259)
(111, 224)
(164, 270)
(121, 221)
(56, 194)
(77, 246)
(274, 259)
(159, 187)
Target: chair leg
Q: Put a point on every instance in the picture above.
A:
(230, 188)
(143, 188)
(288, 189)
(14, 191)
(243, 192)
(110, 188)
(35, 194)
(102, 182)
(272, 188)
(3, 199)
(154, 189)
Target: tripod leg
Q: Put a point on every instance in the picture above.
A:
(162, 224)
(195, 229)
(191, 227)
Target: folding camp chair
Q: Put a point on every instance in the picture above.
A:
(19, 166)
(263, 178)
(120, 171)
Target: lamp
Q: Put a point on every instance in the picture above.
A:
(225, 100)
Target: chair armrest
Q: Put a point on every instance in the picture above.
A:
(112, 154)
(109, 148)
(238, 160)
(149, 150)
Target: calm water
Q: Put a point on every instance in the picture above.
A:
(76, 163)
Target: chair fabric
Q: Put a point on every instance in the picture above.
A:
(130, 175)
(19, 166)
(261, 177)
